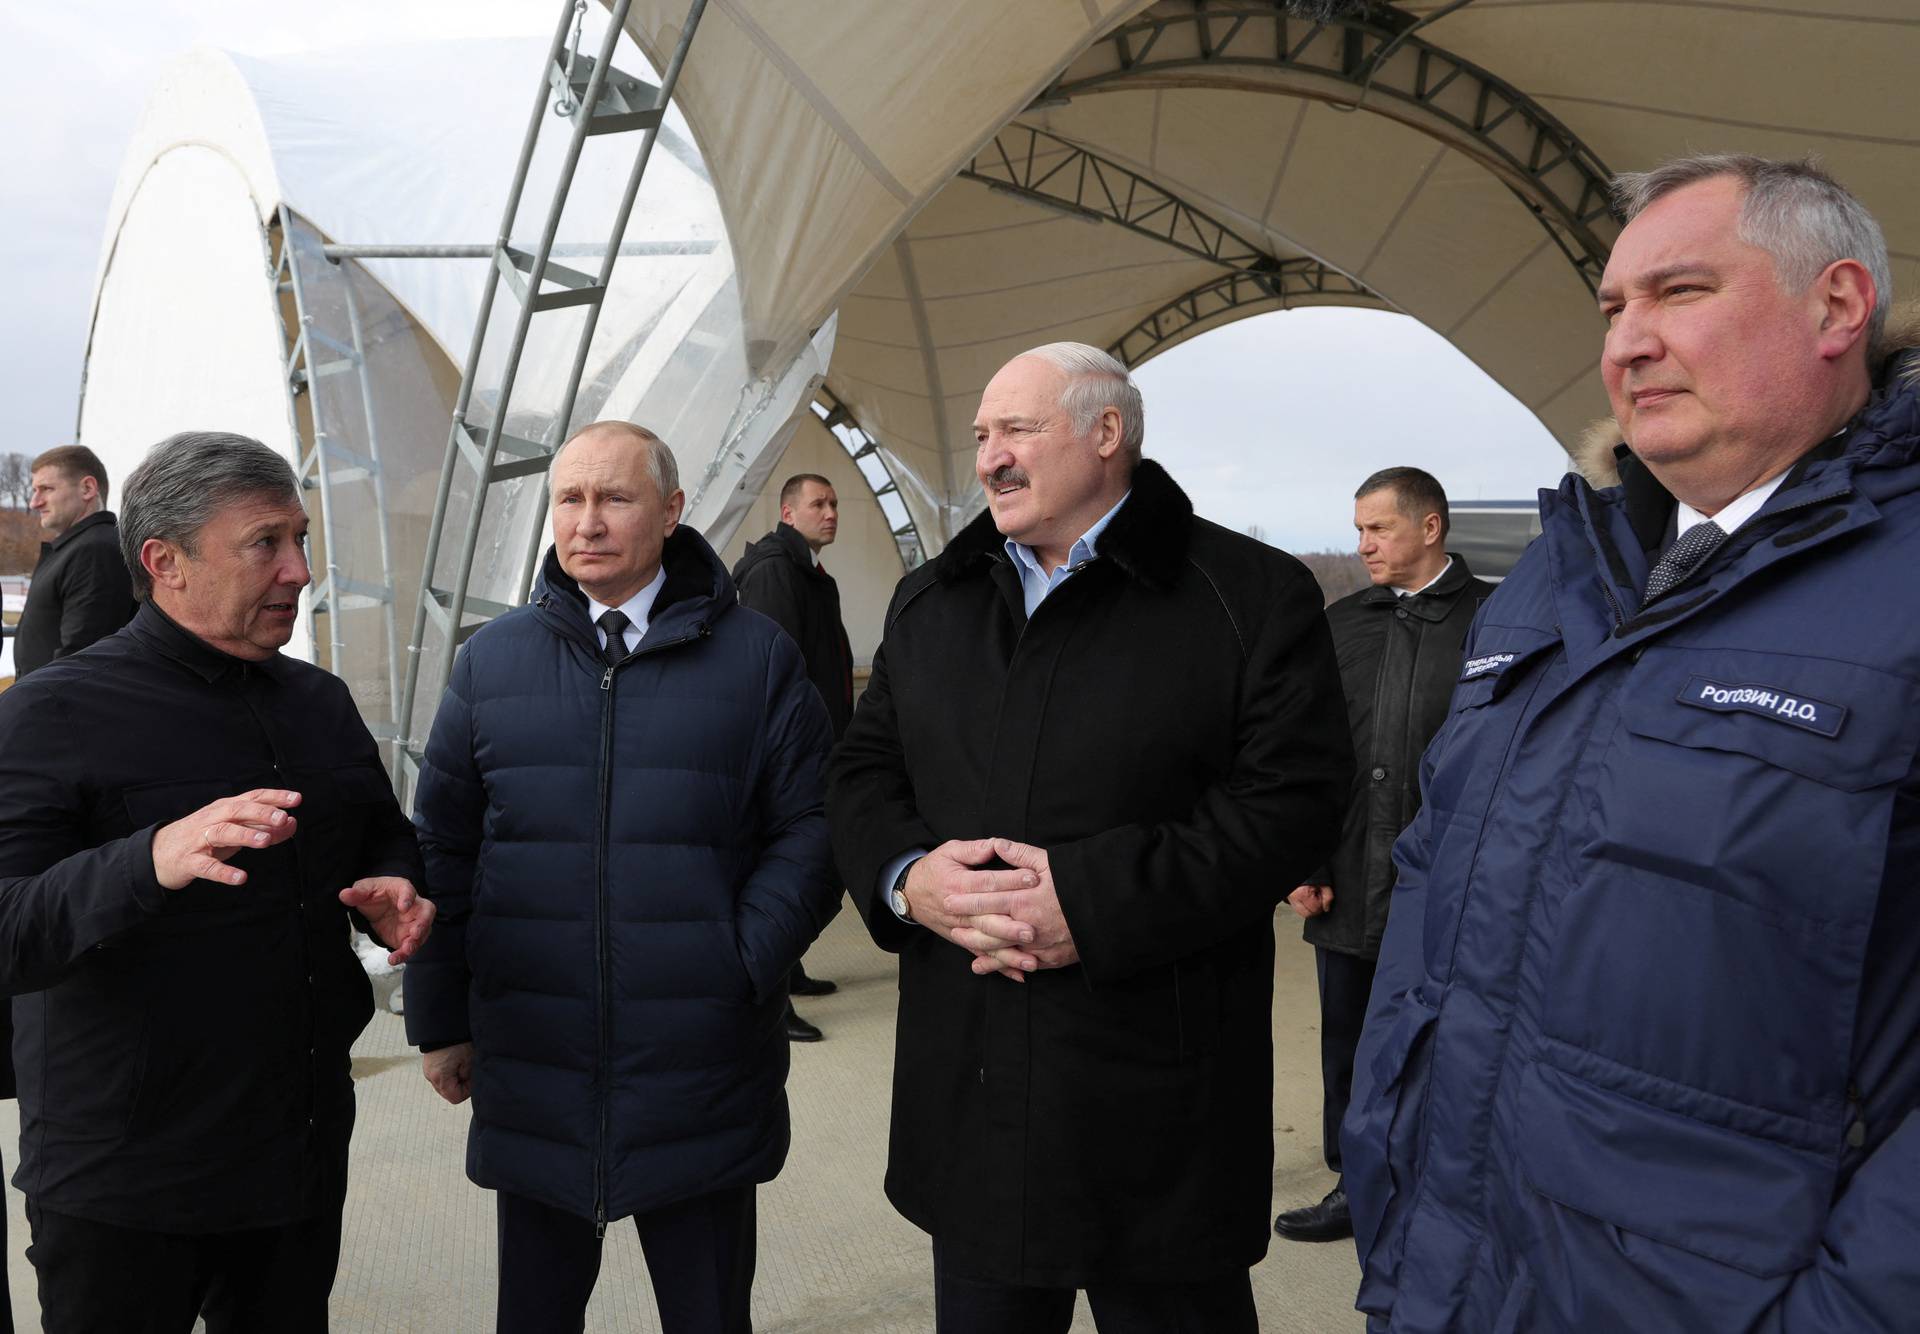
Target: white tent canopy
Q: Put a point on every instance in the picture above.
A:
(192, 329)
(895, 199)
(1416, 159)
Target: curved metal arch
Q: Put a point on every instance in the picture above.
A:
(1347, 61)
(1059, 173)
(860, 443)
(1297, 281)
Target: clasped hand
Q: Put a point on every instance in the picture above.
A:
(1009, 919)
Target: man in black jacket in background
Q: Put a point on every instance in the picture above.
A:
(80, 590)
(187, 821)
(1398, 642)
(781, 577)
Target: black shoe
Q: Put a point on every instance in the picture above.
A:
(799, 984)
(799, 1030)
(1329, 1220)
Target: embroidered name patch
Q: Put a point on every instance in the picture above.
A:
(1814, 715)
(1491, 665)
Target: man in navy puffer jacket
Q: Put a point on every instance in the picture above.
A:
(1643, 1052)
(620, 810)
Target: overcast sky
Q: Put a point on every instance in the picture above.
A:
(1270, 421)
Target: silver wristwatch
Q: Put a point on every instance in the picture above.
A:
(897, 896)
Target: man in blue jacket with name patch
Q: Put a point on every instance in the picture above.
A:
(1643, 1051)
(621, 813)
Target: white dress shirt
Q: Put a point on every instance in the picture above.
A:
(637, 609)
(1400, 592)
(1734, 513)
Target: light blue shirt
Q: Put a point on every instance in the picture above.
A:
(1035, 584)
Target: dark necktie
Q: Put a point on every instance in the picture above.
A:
(615, 623)
(1688, 550)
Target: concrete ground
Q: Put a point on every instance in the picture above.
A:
(417, 1253)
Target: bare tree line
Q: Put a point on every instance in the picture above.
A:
(16, 480)
(1338, 572)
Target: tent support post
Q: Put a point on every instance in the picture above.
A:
(600, 106)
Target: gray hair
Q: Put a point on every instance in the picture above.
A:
(660, 460)
(183, 481)
(1793, 210)
(1096, 382)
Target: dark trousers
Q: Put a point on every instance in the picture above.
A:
(700, 1255)
(967, 1305)
(98, 1278)
(6, 1294)
(1346, 981)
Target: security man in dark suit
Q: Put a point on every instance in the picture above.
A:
(1398, 641)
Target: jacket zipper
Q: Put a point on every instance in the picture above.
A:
(1856, 1118)
(602, 908)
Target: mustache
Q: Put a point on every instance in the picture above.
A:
(1000, 477)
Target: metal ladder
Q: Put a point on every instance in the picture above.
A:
(598, 100)
(324, 463)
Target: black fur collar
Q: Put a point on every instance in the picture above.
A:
(1147, 539)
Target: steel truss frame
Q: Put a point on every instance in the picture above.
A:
(860, 443)
(1348, 62)
(1057, 173)
(597, 99)
(1181, 318)
(323, 463)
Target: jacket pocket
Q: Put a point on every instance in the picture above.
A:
(1724, 895)
(1841, 724)
(1381, 1139)
(84, 1049)
(1723, 1195)
(1196, 1001)
(1506, 667)
(1502, 656)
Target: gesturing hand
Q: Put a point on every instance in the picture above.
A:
(1015, 931)
(954, 868)
(395, 911)
(197, 847)
(1311, 900)
(450, 1071)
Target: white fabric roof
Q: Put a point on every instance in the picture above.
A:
(828, 126)
(832, 168)
(390, 145)
(393, 146)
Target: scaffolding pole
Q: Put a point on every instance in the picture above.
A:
(601, 104)
(315, 458)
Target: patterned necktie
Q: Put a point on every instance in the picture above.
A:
(615, 623)
(1688, 550)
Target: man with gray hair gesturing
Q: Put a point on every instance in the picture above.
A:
(1643, 1050)
(1102, 739)
(187, 821)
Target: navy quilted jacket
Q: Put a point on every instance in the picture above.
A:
(627, 862)
(1643, 1052)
